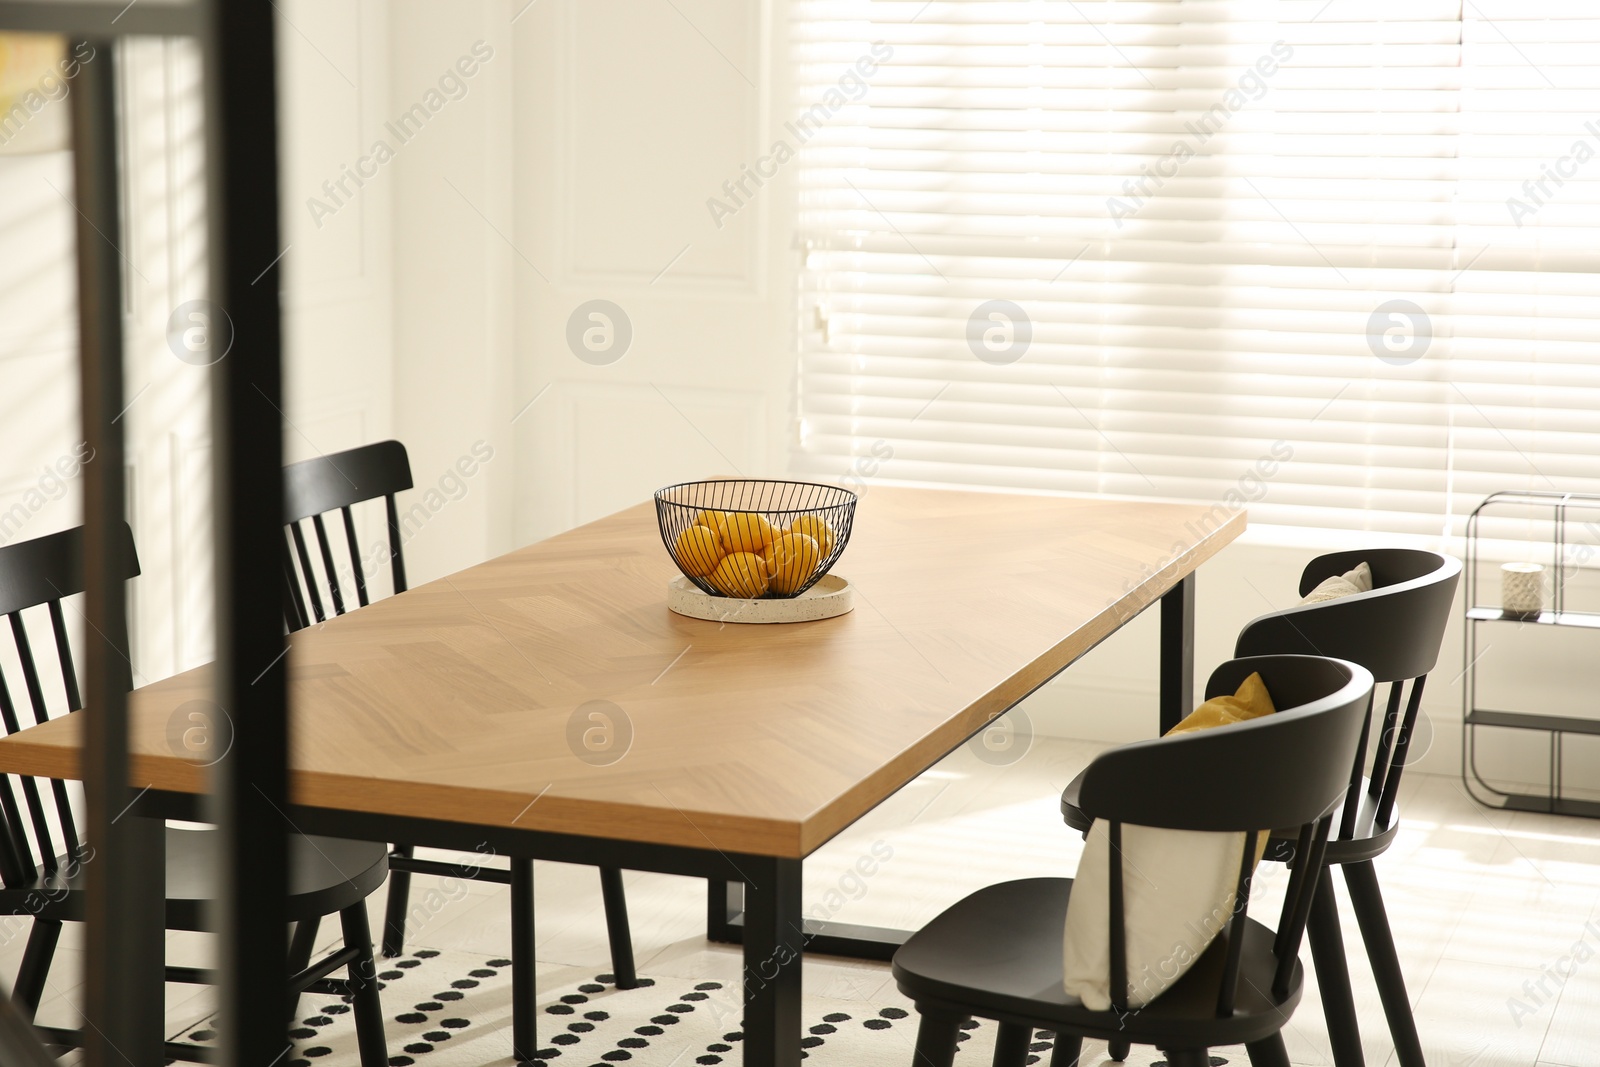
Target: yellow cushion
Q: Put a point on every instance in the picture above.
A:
(1250, 702)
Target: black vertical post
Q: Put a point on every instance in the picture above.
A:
(774, 939)
(123, 1000)
(250, 789)
(524, 994)
(1177, 652)
(724, 903)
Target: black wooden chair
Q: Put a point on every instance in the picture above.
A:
(998, 953)
(1394, 631)
(317, 487)
(42, 858)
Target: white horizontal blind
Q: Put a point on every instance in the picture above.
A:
(1201, 208)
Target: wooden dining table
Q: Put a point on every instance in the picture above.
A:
(547, 704)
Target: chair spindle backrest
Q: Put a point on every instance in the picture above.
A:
(42, 572)
(1297, 761)
(1395, 631)
(318, 487)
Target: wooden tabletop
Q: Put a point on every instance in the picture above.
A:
(468, 698)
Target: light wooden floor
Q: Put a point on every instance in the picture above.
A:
(1485, 906)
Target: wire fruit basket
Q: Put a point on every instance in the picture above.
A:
(754, 539)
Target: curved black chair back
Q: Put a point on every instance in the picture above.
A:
(1285, 769)
(43, 571)
(1273, 771)
(1395, 631)
(318, 486)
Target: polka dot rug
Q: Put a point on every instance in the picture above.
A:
(451, 1009)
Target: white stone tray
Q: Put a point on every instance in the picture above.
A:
(831, 596)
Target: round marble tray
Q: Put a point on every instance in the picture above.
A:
(831, 596)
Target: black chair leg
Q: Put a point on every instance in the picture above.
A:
(1188, 1057)
(36, 958)
(1268, 1052)
(1118, 1048)
(364, 988)
(1362, 880)
(936, 1039)
(394, 914)
(300, 947)
(1333, 976)
(616, 902)
(1068, 1050)
(1011, 1045)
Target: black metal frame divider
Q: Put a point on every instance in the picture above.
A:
(250, 789)
(123, 887)
(124, 953)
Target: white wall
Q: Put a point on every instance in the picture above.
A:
(628, 117)
(454, 274)
(337, 306)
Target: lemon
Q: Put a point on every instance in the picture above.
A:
(712, 520)
(815, 526)
(745, 531)
(698, 550)
(791, 561)
(740, 574)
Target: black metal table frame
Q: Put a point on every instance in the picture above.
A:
(752, 900)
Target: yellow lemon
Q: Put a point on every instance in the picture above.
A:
(815, 526)
(698, 551)
(745, 531)
(712, 520)
(740, 574)
(791, 561)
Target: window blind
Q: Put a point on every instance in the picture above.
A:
(1333, 260)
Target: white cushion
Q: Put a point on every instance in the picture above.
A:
(1178, 892)
(1357, 579)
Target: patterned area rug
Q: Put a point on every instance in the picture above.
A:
(451, 1009)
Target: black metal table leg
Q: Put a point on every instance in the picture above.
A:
(524, 996)
(725, 924)
(773, 941)
(724, 903)
(1177, 653)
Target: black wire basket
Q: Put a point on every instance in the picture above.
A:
(754, 538)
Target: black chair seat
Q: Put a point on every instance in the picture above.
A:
(1365, 843)
(998, 953)
(326, 875)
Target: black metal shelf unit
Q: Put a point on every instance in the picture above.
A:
(1476, 615)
